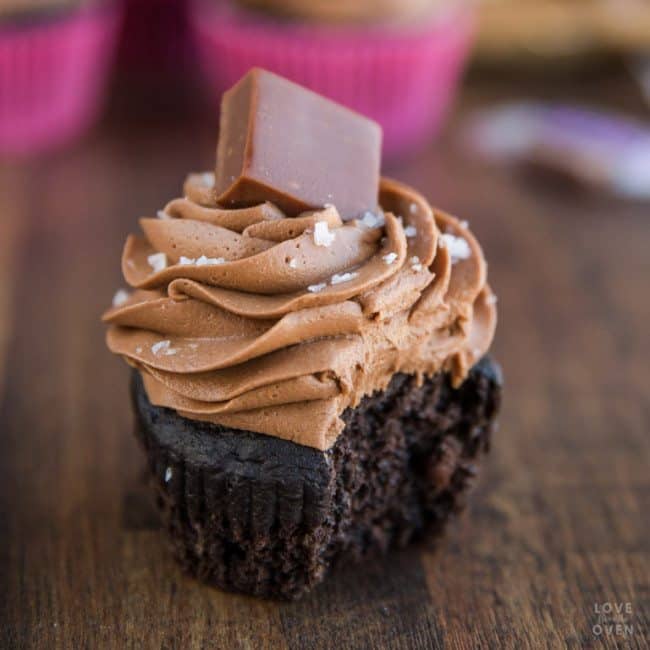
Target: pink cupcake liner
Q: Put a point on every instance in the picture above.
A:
(404, 79)
(53, 76)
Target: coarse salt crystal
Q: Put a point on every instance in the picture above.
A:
(389, 258)
(293, 263)
(491, 299)
(209, 261)
(413, 208)
(138, 350)
(458, 248)
(161, 345)
(157, 261)
(207, 179)
(184, 261)
(322, 234)
(161, 214)
(372, 220)
(120, 297)
(168, 474)
(415, 263)
(410, 231)
(315, 288)
(337, 278)
(464, 224)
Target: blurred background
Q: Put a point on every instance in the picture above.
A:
(528, 118)
(70, 68)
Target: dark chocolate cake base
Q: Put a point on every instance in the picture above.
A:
(257, 514)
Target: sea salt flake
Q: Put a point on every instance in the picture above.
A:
(337, 278)
(161, 345)
(458, 247)
(372, 220)
(389, 258)
(120, 297)
(157, 261)
(410, 231)
(322, 234)
(168, 474)
(209, 261)
(315, 288)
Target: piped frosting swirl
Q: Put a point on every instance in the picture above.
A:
(256, 321)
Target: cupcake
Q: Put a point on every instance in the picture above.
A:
(396, 61)
(55, 57)
(307, 344)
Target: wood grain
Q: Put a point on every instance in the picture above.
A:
(557, 526)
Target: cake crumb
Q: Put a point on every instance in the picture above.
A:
(157, 261)
(322, 234)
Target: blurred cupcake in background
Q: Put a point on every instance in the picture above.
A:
(155, 47)
(55, 57)
(397, 61)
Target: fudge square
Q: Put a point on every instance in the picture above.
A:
(282, 143)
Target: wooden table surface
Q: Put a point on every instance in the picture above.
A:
(557, 528)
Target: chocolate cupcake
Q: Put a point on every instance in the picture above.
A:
(309, 377)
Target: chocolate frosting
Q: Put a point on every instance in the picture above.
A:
(253, 320)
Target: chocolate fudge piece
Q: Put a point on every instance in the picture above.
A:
(282, 143)
(265, 516)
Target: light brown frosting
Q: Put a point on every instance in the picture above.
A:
(281, 333)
